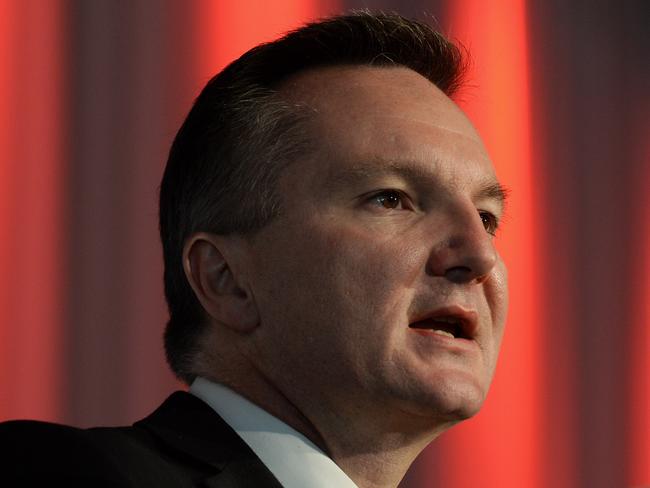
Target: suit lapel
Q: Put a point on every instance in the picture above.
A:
(187, 425)
(243, 472)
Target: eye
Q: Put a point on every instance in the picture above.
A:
(388, 199)
(490, 222)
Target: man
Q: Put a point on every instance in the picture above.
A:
(327, 216)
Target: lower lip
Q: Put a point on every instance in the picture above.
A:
(450, 342)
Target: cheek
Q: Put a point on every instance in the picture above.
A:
(343, 286)
(367, 270)
(497, 294)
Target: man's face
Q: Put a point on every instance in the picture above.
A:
(379, 287)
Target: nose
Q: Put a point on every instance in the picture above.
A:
(466, 255)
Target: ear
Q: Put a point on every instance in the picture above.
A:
(216, 284)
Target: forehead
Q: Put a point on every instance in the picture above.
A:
(364, 116)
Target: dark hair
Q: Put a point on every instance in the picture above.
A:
(240, 134)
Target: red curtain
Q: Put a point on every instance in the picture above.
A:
(90, 96)
(32, 214)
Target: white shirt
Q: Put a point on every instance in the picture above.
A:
(292, 458)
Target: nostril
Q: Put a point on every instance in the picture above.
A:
(460, 274)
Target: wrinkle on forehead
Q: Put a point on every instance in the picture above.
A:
(368, 94)
(442, 131)
(471, 135)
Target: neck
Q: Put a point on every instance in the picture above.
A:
(374, 452)
(374, 444)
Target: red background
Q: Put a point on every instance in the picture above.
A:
(91, 94)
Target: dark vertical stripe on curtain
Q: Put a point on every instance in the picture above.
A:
(590, 72)
(98, 207)
(121, 131)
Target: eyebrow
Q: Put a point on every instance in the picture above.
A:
(494, 190)
(490, 189)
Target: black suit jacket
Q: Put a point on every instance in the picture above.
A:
(184, 443)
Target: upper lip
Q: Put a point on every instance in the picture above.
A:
(467, 319)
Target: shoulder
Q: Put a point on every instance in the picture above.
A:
(36, 452)
(182, 443)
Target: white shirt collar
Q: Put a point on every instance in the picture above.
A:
(292, 458)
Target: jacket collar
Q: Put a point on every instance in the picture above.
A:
(185, 423)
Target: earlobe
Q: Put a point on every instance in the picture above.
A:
(212, 273)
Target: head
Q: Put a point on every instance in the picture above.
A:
(329, 188)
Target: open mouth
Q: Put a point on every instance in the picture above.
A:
(448, 326)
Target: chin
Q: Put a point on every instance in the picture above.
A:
(450, 401)
(455, 410)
